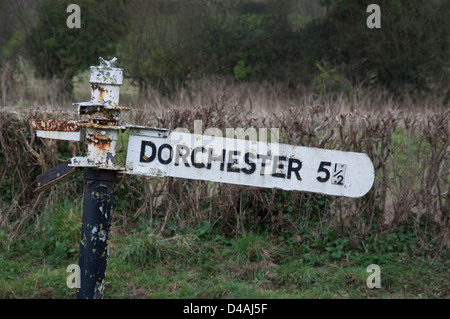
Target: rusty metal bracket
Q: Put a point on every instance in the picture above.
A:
(52, 125)
(60, 130)
(93, 107)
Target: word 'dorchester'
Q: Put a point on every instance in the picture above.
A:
(227, 160)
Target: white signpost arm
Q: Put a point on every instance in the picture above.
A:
(251, 163)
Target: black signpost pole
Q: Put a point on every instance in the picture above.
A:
(96, 222)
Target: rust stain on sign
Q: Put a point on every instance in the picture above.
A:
(101, 143)
(54, 125)
(99, 91)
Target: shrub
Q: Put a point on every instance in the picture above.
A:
(194, 40)
(58, 51)
(410, 51)
(409, 153)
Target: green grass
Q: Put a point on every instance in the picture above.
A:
(204, 264)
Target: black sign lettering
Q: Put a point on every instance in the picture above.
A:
(213, 158)
(194, 152)
(252, 165)
(222, 165)
(182, 152)
(263, 163)
(161, 148)
(292, 169)
(324, 170)
(144, 158)
(278, 165)
(167, 153)
(232, 161)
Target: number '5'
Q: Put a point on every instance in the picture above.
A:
(323, 169)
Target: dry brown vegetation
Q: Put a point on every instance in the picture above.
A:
(409, 151)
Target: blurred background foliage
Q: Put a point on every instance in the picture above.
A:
(295, 43)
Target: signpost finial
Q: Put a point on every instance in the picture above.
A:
(107, 64)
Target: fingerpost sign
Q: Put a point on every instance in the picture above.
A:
(158, 152)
